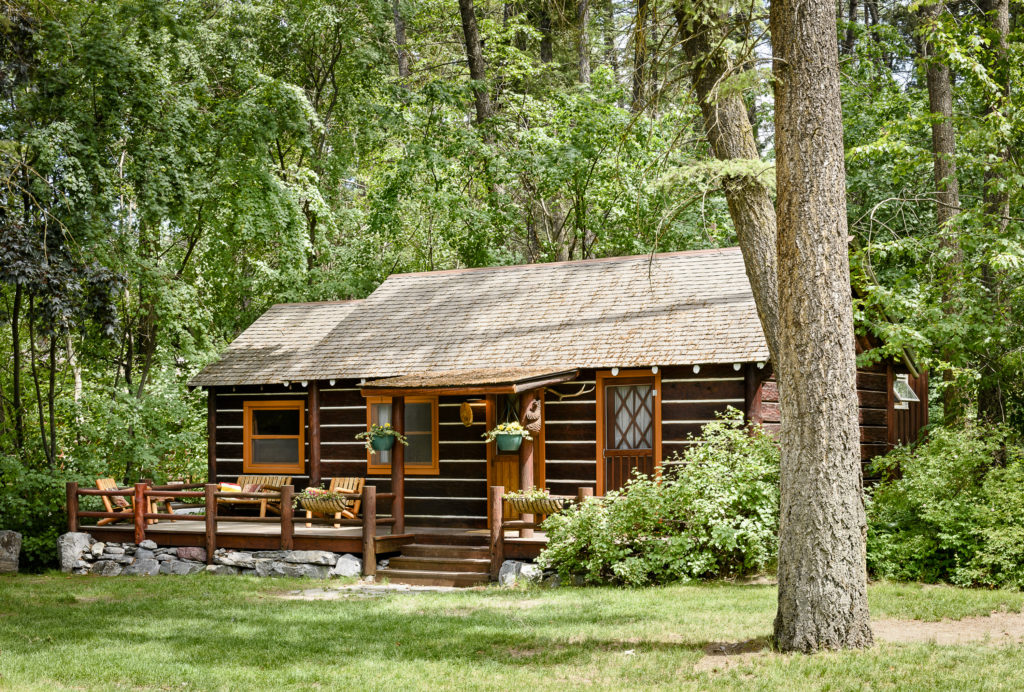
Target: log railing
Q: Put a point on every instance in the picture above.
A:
(141, 495)
(496, 514)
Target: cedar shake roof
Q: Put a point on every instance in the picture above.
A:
(677, 308)
(284, 337)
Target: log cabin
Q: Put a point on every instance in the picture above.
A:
(623, 360)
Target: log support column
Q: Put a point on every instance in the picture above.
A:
(313, 404)
(398, 466)
(211, 435)
(526, 458)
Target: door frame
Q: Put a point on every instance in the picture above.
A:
(539, 478)
(602, 379)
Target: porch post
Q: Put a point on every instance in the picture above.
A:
(526, 457)
(211, 435)
(313, 404)
(398, 466)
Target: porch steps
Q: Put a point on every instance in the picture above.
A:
(441, 560)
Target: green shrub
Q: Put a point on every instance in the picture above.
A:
(952, 511)
(716, 514)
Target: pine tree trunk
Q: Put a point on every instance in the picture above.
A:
(947, 193)
(640, 56)
(822, 575)
(475, 59)
(728, 130)
(400, 40)
(583, 40)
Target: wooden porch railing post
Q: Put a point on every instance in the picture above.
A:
(72, 495)
(398, 467)
(287, 517)
(583, 493)
(138, 511)
(369, 508)
(495, 509)
(211, 521)
(526, 453)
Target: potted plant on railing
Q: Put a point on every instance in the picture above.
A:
(322, 501)
(380, 438)
(534, 501)
(509, 436)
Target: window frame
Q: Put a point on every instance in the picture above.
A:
(247, 436)
(434, 469)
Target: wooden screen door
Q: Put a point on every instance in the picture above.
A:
(630, 428)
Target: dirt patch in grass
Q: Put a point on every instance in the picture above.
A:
(999, 628)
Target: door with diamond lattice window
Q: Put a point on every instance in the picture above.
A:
(629, 429)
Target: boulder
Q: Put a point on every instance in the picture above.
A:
(164, 557)
(269, 554)
(234, 559)
(144, 554)
(113, 550)
(70, 547)
(197, 554)
(145, 566)
(181, 567)
(311, 557)
(530, 572)
(10, 550)
(291, 569)
(552, 581)
(148, 544)
(97, 549)
(347, 566)
(264, 568)
(123, 559)
(513, 570)
(221, 569)
(106, 568)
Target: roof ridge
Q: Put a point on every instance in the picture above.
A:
(594, 260)
(320, 302)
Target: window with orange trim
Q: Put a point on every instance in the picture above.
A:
(273, 436)
(421, 456)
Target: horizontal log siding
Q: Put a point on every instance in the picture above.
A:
(907, 423)
(229, 426)
(570, 436)
(457, 496)
(690, 400)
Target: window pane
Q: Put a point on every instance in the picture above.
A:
(632, 417)
(275, 421)
(420, 451)
(380, 413)
(275, 452)
(417, 417)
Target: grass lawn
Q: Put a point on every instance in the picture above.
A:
(210, 632)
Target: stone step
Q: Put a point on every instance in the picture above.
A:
(439, 564)
(446, 551)
(432, 578)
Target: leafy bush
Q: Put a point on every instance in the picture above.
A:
(952, 510)
(716, 514)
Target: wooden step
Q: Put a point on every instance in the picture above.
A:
(446, 551)
(452, 539)
(430, 578)
(439, 564)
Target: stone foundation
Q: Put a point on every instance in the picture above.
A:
(80, 553)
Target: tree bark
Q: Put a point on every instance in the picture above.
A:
(640, 56)
(728, 130)
(611, 53)
(851, 34)
(583, 40)
(947, 192)
(822, 571)
(400, 40)
(547, 51)
(475, 59)
(19, 416)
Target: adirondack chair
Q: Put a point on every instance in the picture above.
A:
(252, 484)
(122, 505)
(345, 485)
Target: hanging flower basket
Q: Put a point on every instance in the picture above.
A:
(509, 436)
(382, 444)
(508, 442)
(380, 438)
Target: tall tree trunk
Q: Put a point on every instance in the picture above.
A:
(475, 59)
(400, 40)
(19, 415)
(728, 130)
(583, 40)
(611, 52)
(822, 570)
(640, 56)
(947, 192)
(547, 51)
(851, 34)
(996, 202)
